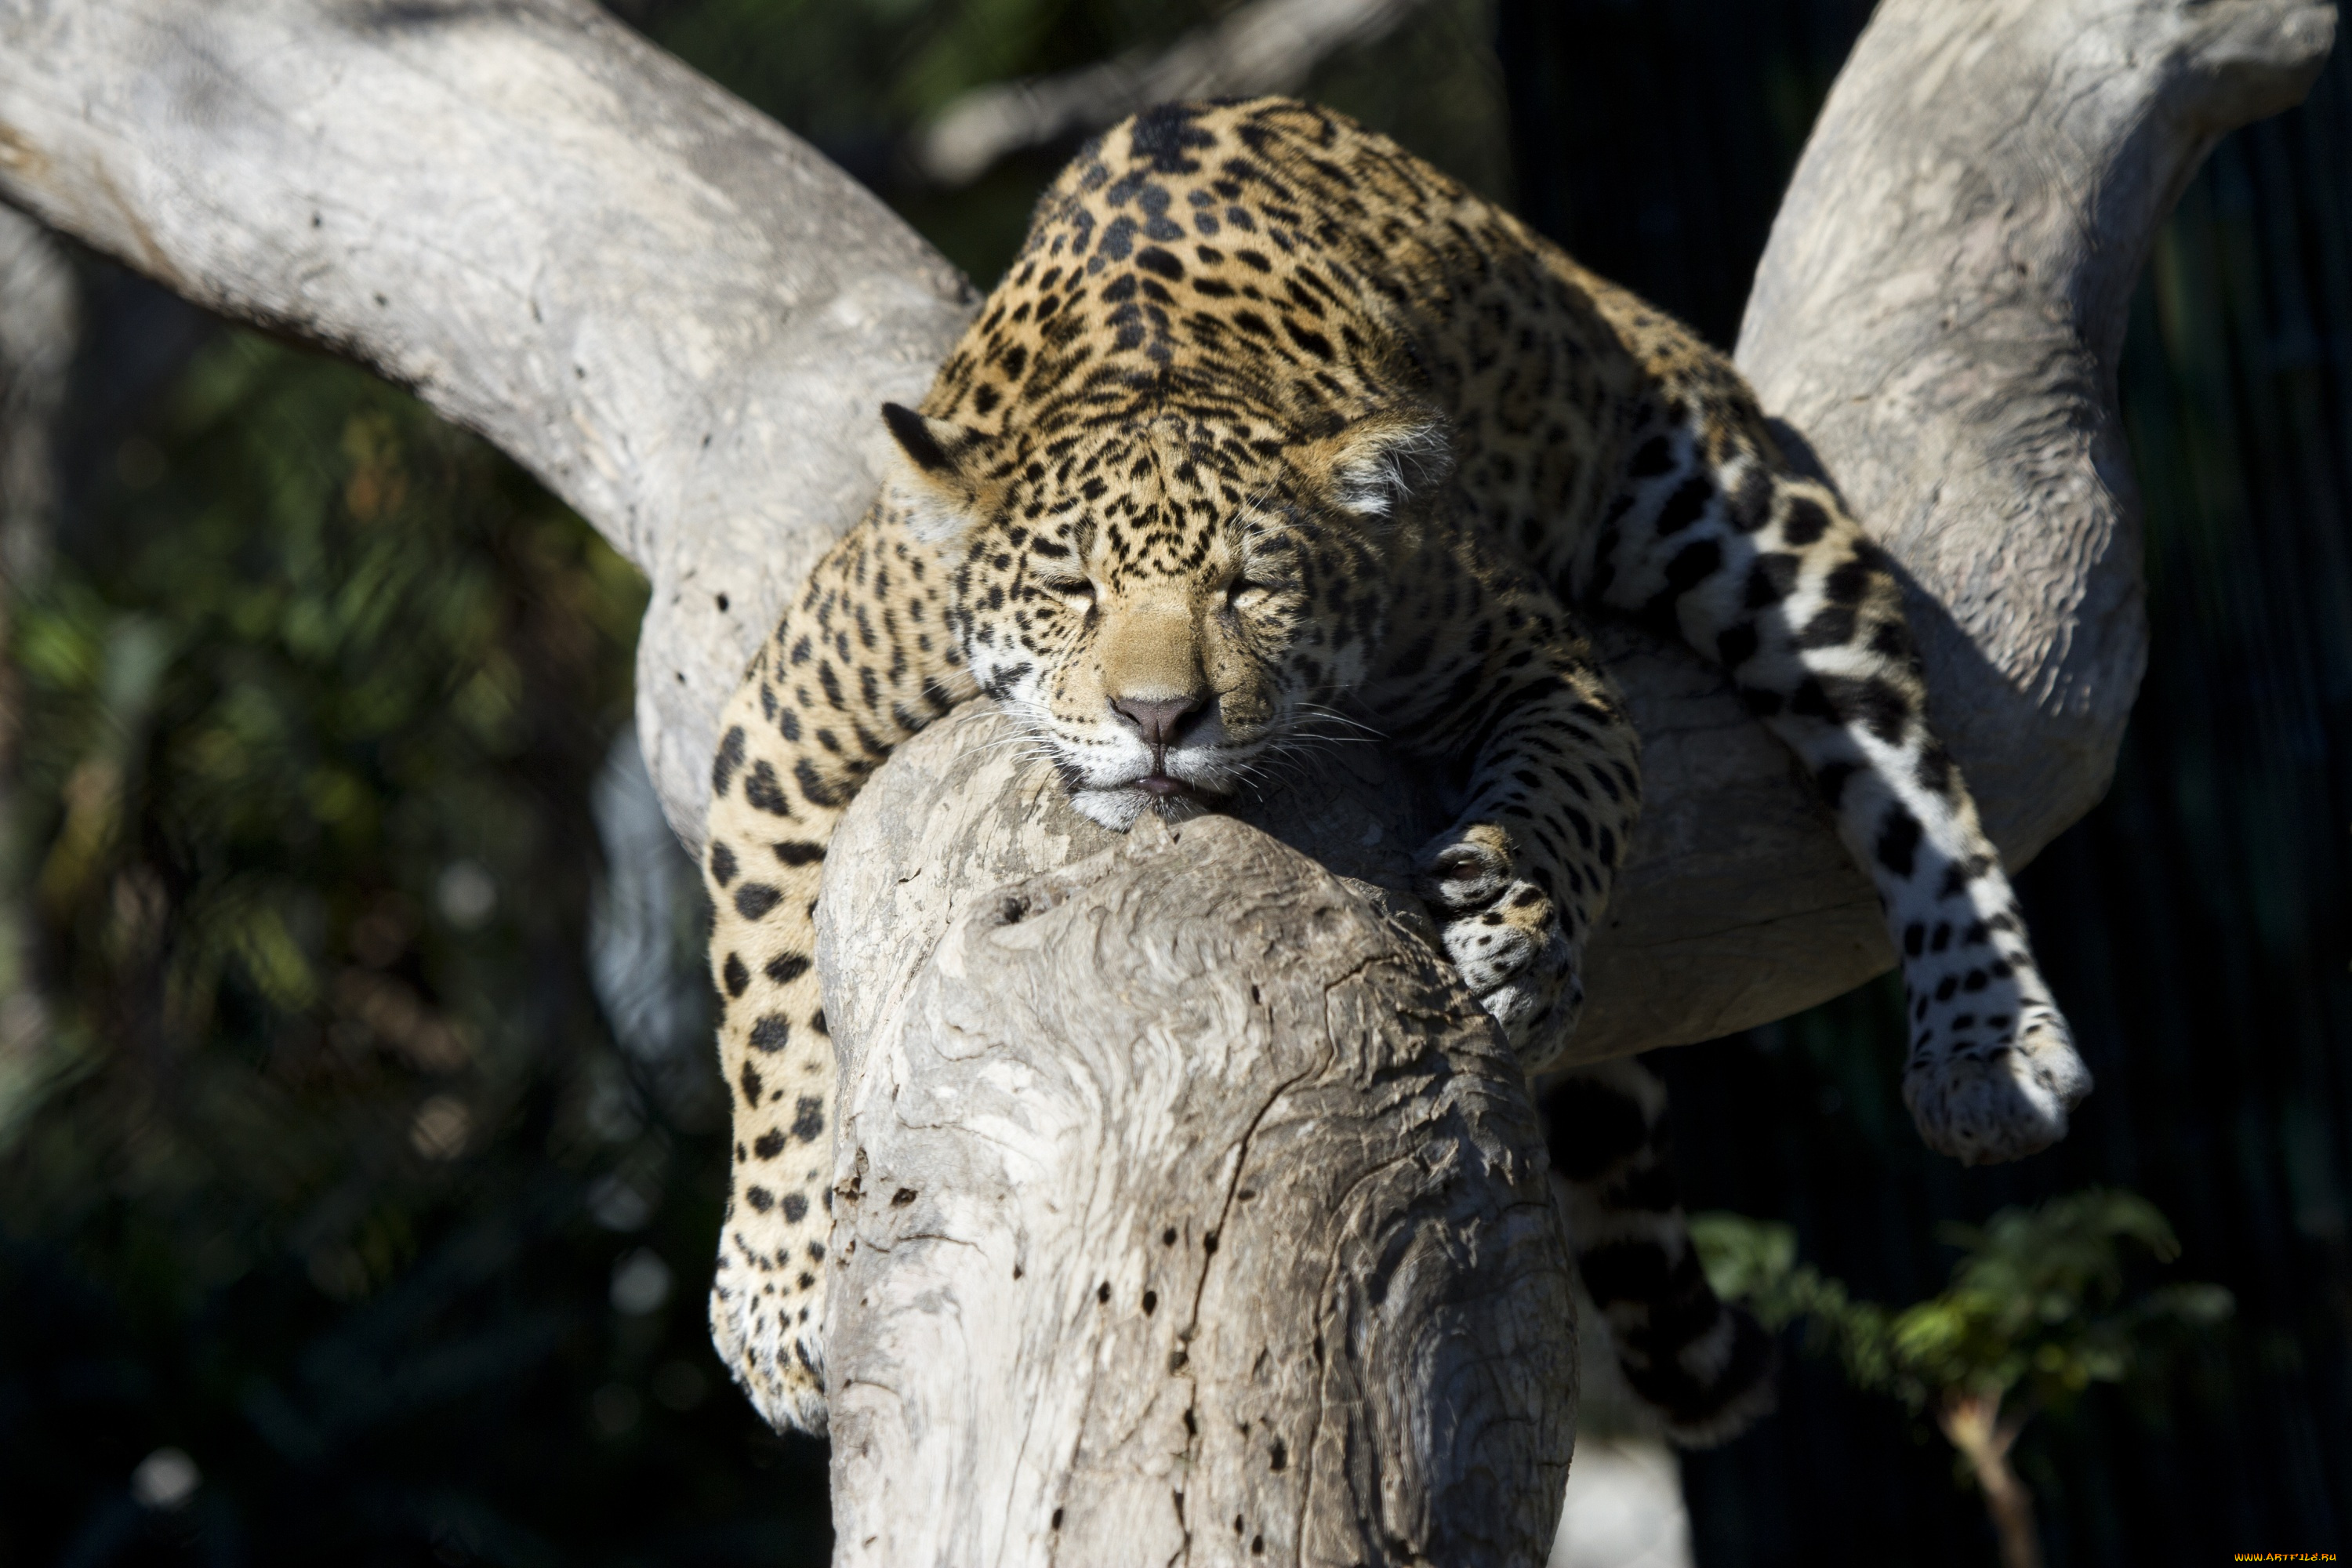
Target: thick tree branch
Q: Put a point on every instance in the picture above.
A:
(1208, 1181)
(1940, 312)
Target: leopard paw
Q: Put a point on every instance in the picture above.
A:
(2000, 1096)
(772, 1344)
(1503, 933)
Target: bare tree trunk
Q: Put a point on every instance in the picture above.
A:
(682, 320)
(1256, 1256)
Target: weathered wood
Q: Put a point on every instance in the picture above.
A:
(1186, 1212)
(1940, 312)
(1938, 318)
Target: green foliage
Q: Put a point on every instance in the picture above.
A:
(285, 706)
(328, 1164)
(2037, 1304)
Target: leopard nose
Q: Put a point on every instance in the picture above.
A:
(1160, 723)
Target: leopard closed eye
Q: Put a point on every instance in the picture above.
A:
(1270, 421)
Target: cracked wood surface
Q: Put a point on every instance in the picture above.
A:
(1318, 1313)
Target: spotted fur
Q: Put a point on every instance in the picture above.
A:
(1273, 426)
(1706, 1370)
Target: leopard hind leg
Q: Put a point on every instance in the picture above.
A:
(1703, 1365)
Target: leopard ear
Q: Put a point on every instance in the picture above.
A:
(943, 485)
(1379, 465)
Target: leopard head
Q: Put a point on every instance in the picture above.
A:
(1168, 598)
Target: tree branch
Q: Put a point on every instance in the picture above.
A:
(1224, 1205)
(1263, 46)
(1941, 309)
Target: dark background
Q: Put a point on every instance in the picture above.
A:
(2196, 925)
(368, 1104)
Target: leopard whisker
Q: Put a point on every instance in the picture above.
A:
(1326, 713)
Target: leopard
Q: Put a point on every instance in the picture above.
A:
(1271, 424)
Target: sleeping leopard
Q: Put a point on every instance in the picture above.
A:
(1271, 421)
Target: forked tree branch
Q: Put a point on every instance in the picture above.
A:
(1063, 1048)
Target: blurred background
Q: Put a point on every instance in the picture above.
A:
(360, 1152)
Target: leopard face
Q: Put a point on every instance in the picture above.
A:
(1167, 598)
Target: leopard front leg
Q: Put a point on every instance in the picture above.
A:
(1762, 571)
(1503, 930)
(1552, 788)
(765, 857)
(822, 705)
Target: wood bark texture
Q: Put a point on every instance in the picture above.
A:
(1227, 1210)
(1940, 312)
(683, 320)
